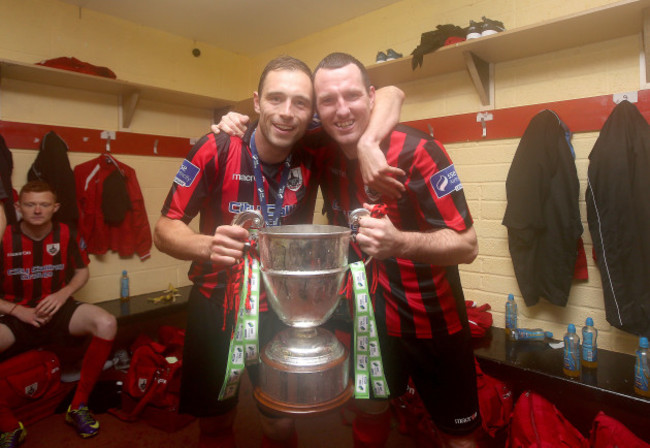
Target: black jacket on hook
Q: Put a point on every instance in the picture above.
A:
(52, 166)
(542, 214)
(618, 213)
(6, 188)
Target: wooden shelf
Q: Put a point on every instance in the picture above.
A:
(616, 20)
(130, 93)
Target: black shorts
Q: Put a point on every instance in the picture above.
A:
(56, 331)
(205, 354)
(444, 375)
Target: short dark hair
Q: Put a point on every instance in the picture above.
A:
(282, 63)
(36, 186)
(339, 60)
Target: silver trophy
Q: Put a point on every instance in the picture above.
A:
(304, 368)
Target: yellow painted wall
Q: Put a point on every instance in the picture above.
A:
(591, 70)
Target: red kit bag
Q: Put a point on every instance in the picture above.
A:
(608, 432)
(536, 423)
(495, 402)
(152, 384)
(29, 376)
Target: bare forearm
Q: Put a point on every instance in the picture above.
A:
(78, 280)
(175, 238)
(444, 247)
(384, 117)
(3, 220)
(6, 307)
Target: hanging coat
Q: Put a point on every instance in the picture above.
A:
(126, 229)
(542, 214)
(618, 213)
(52, 166)
(6, 188)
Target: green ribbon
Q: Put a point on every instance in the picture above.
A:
(244, 345)
(368, 365)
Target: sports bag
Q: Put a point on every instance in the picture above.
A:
(536, 423)
(607, 432)
(28, 376)
(495, 400)
(154, 375)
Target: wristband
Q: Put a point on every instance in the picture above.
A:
(12, 309)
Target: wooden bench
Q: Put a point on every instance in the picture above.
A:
(530, 365)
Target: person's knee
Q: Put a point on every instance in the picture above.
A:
(7, 338)
(105, 326)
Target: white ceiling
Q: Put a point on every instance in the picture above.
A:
(241, 26)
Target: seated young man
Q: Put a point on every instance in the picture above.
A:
(43, 263)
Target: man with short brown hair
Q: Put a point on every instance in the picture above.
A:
(43, 264)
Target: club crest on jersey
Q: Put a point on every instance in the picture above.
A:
(372, 194)
(53, 248)
(445, 182)
(186, 174)
(294, 182)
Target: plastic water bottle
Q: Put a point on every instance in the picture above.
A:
(528, 334)
(124, 287)
(125, 306)
(589, 345)
(571, 365)
(511, 313)
(641, 369)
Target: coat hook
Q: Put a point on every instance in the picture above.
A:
(108, 135)
(155, 146)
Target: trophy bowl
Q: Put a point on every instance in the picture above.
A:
(303, 267)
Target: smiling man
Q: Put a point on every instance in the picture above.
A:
(420, 308)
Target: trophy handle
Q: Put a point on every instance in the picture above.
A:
(353, 220)
(253, 216)
(248, 219)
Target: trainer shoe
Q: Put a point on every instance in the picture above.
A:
(491, 26)
(392, 54)
(381, 57)
(474, 30)
(14, 438)
(83, 421)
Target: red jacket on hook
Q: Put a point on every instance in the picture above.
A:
(133, 234)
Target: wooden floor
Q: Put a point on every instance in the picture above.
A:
(323, 431)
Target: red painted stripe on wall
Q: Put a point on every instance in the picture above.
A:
(580, 115)
(28, 136)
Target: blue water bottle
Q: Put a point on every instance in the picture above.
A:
(589, 345)
(511, 314)
(125, 307)
(641, 370)
(571, 365)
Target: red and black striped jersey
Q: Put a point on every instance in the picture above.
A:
(217, 181)
(414, 299)
(32, 270)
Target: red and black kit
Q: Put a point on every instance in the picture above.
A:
(217, 180)
(31, 270)
(416, 299)
(420, 308)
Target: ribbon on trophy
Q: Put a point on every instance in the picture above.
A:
(368, 365)
(244, 342)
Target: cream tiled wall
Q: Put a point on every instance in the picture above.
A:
(41, 29)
